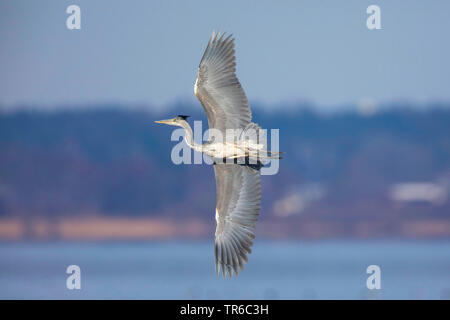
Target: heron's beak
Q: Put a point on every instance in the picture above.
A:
(168, 121)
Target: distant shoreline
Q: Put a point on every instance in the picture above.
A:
(160, 228)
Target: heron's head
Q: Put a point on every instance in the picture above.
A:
(177, 121)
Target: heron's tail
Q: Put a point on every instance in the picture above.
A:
(265, 155)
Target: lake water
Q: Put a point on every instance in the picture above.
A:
(185, 270)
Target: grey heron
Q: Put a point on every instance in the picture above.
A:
(237, 182)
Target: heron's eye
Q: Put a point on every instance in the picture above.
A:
(174, 119)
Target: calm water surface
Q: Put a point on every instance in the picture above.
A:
(185, 270)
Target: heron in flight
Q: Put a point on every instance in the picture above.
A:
(237, 162)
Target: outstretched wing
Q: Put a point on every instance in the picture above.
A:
(237, 210)
(218, 88)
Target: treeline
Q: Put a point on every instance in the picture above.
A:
(117, 162)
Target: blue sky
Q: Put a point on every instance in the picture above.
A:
(147, 52)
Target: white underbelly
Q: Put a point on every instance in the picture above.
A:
(225, 150)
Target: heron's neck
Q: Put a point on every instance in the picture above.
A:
(188, 137)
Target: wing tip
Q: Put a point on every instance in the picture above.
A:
(219, 39)
(230, 268)
(216, 34)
